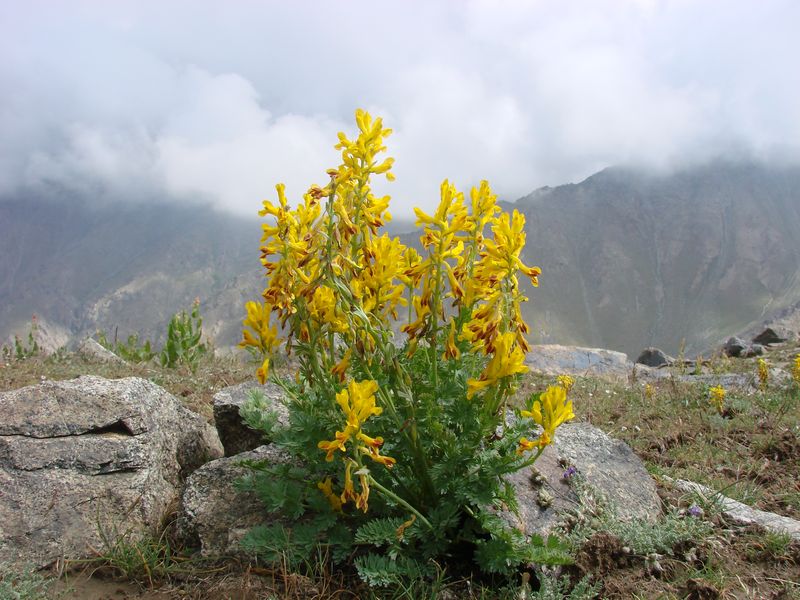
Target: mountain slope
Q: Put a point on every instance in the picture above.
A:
(629, 259)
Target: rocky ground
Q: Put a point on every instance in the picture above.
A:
(698, 547)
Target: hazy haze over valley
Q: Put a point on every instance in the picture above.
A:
(137, 140)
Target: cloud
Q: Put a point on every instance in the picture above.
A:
(218, 102)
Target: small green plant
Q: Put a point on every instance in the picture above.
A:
(642, 538)
(24, 349)
(131, 350)
(23, 583)
(139, 558)
(183, 345)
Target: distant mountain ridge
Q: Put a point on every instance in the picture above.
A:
(629, 259)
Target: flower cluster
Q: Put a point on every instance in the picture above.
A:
(335, 287)
(357, 402)
(566, 382)
(796, 368)
(717, 397)
(548, 410)
(763, 373)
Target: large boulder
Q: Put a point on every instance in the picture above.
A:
(552, 359)
(773, 335)
(653, 357)
(545, 492)
(236, 437)
(88, 458)
(214, 514)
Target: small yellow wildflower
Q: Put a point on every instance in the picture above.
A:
(508, 360)
(550, 410)
(649, 391)
(566, 382)
(763, 373)
(717, 397)
(357, 401)
(796, 369)
(326, 487)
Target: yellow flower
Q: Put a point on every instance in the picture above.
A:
(566, 382)
(763, 373)
(550, 410)
(326, 487)
(717, 397)
(526, 445)
(357, 402)
(258, 321)
(507, 360)
(649, 391)
(263, 371)
(340, 368)
(451, 351)
(322, 309)
(796, 369)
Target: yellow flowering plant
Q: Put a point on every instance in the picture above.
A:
(407, 357)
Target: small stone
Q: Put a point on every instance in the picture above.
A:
(544, 498)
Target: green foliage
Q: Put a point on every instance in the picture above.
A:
(555, 587)
(23, 583)
(23, 350)
(643, 538)
(183, 345)
(379, 570)
(138, 558)
(131, 350)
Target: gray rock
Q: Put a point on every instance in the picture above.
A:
(741, 513)
(89, 456)
(648, 374)
(753, 350)
(773, 335)
(607, 465)
(552, 359)
(734, 347)
(236, 437)
(726, 380)
(92, 350)
(653, 357)
(214, 514)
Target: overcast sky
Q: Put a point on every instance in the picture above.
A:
(219, 101)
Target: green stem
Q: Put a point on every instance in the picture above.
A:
(400, 501)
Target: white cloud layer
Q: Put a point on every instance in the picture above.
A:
(219, 101)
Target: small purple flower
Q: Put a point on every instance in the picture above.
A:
(695, 510)
(570, 472)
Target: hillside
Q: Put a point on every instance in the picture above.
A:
(629, 259)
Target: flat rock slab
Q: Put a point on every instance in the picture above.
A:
(215, 515)
(741, 513)
(93, 350)
(609, 466)
(236, 437)
(552, 359)
(91, 456)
